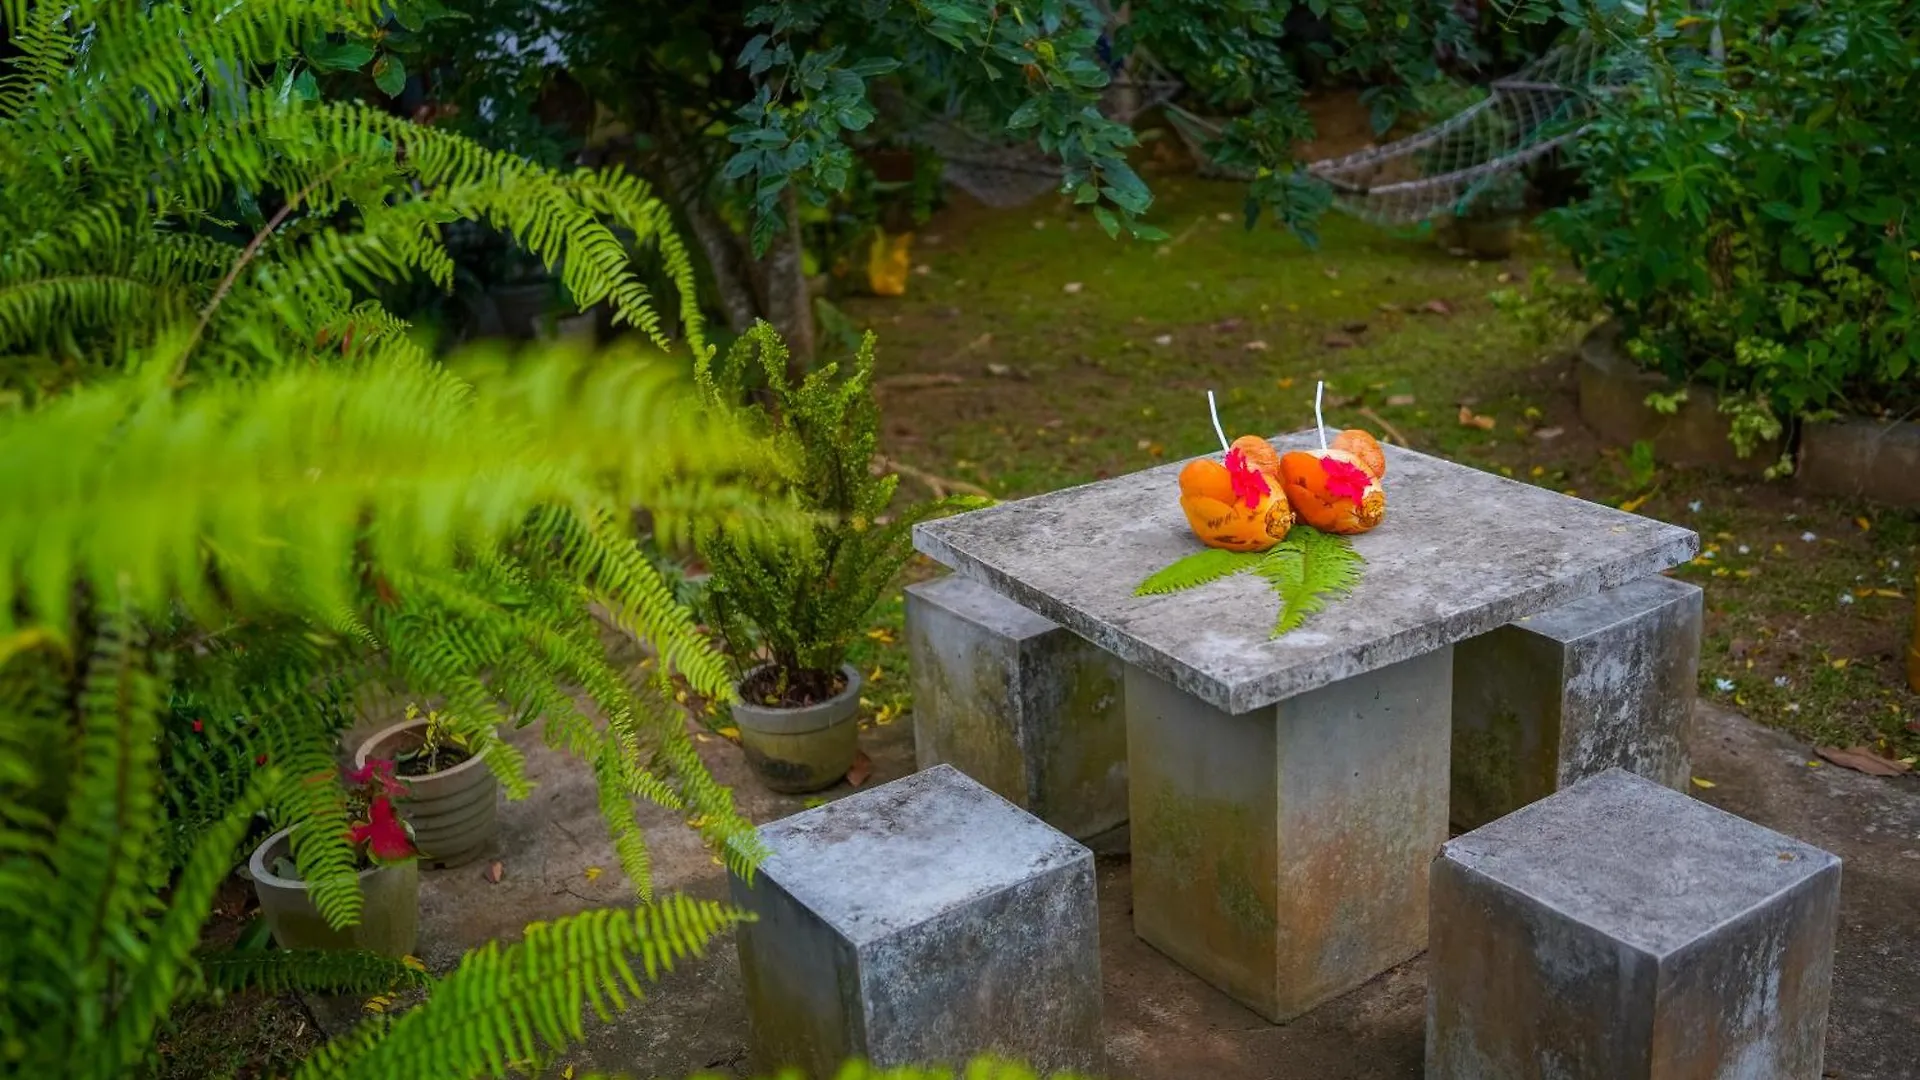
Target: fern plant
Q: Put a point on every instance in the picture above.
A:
(1305, 570)
(277, 482)
(450, 535)
(166, 162)
(91, 962)
(803, 602)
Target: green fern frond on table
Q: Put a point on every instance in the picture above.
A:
(1307, 569)
(1207, 564)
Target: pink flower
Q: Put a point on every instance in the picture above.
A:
(1344, 479)
(381, 770)
(384, 834)
(1247, 482)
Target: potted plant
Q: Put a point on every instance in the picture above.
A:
(384, 855)
(1487, 224)
(447, 795)
(788, 609)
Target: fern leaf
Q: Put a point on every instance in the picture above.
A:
(1306, 569)
(506, 1002)
(325, 971)
(1208, 564)
(166, 958)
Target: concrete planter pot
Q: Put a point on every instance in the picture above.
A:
(1870, 459)
(1487, 237)
(1613, 402)
(453, 812)
(389, 918)
(522, 308)
(801, 750)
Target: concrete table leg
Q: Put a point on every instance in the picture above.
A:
(1019, 703)
(1602, 682)
(1282, 855)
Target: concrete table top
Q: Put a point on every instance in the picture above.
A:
(1461, 552)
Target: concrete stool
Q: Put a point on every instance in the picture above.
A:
(1620, 930)
(921, 922)
(1602, 682)
(1019, 703)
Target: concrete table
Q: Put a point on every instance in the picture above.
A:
(1287, 795)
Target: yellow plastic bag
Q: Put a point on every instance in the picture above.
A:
(887, 263)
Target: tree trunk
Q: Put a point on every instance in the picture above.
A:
(783, 286)
(684, 180)
(774, 286)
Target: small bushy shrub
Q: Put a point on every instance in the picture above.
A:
(1751, 221)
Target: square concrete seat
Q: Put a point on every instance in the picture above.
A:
(1606, 681)
(1019, 703)
(925, 921)
(1620, 930)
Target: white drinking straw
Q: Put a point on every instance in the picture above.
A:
(1318, 389)
(1215, 410)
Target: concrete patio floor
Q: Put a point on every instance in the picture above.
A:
(1162, 1023)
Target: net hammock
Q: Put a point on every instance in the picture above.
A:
(1439, 171)
(1448, 167)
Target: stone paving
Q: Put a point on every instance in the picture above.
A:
(1163, 1023)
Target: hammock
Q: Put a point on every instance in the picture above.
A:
(1445, 168)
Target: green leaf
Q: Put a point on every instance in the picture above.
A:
(1107, 221)
(1151, 233)
(1306, 569)
(390, 75)
(1209, 564)
(338, 55)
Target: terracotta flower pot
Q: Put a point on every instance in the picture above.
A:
(804, 749)
(453, 812)
(389, 918)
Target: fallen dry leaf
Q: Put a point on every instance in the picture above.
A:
(1163, 339)
(1337, 341)
(1255, 345)
(1332, 272)
(1072, 287)
(1468, 418)
(1862, 759)
(862, 769)
(1399, 401)
(495, 871)
(1388, 306)
(999, 370)
(1226, 326)
(916, 382)
(1355, 327)
(1437, 307)
(593, 872)
(1699, 783)
(1548, 434)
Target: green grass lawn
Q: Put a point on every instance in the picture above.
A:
(1032, 353)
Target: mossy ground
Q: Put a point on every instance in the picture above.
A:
(1032, 353)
